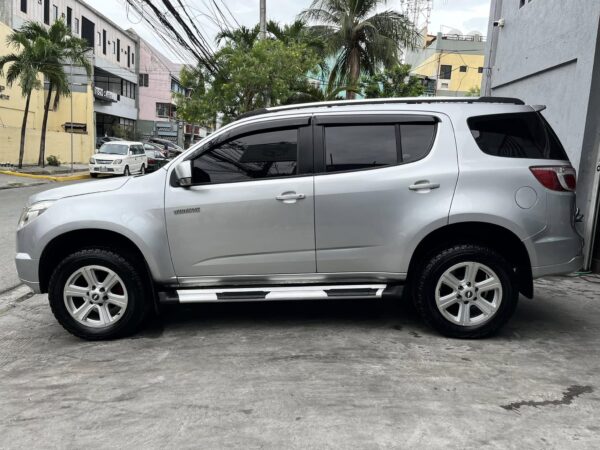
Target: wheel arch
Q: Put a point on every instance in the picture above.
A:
(499, 238)
(69, 242)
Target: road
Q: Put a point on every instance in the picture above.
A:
(340, 374)
(12, 201)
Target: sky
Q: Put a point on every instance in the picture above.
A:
(463, 15)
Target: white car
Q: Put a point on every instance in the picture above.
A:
(119, 158)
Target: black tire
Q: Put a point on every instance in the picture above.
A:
(94, 175)
(129, 272)
(429, 274)
(126, 171)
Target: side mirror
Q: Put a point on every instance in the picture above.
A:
(183, 172)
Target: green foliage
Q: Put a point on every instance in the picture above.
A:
(394, 82)
(53, 160)
(474, 91)
(361, 40)
(266, 74)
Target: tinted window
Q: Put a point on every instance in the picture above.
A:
(416, 140)
(261, 155)
(520, 135)
(360, 147)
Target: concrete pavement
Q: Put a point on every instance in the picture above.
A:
(338, 374)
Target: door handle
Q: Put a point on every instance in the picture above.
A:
(423, 185)
(290, 197)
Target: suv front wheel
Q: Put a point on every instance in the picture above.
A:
(97, 294)
(466, 291)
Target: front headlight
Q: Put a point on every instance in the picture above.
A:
(92, 161)
(31, 212)
(117, 161)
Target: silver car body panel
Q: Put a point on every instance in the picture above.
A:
(238, 233)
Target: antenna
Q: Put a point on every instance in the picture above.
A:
(418, 11)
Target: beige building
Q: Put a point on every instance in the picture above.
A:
(450, 64)
(58, 138)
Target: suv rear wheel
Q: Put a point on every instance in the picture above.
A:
(466, 291)
(97, 294)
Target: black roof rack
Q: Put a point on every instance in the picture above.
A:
(410, 100)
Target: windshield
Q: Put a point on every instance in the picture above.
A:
(114, 149)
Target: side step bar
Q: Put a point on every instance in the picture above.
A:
(245, 294)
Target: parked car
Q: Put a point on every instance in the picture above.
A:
(156, 158)
(119, 158)
(105, 139)
(173, 149)
(461, 203)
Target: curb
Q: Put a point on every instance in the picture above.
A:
(82, 176)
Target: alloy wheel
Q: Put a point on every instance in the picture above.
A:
(95, 296)
(468, 293)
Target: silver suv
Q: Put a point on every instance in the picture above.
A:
(461, 202)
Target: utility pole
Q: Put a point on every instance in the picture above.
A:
(263, 19)
(71, 89)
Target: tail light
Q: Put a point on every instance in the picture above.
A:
(151, 161)
(556, 178)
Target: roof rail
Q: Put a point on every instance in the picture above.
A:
(378, 101)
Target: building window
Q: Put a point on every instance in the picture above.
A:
(127, 89)
(165, 110)
(143, 81)
(133, 58)
(55, 12)
(128, 56)
(69, 17)
(176, 87)
(76, 26)
(104, 42)
(47, 12)
(445, 72)
(114, 47)
(463, 68)
(118, 50)
(480, 70)
(24, 6)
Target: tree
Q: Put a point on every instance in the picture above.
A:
(394, 82)
(474, 91)
(268, 73)
(61, 47)
(242, 37)
(23, 68)
(360, 39)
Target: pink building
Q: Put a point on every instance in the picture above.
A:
(158, 82)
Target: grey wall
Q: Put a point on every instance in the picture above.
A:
(546, 54)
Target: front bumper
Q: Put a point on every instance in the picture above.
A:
(27, 269)
(107, 169)
(570, 266)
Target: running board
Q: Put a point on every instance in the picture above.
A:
(274, 293)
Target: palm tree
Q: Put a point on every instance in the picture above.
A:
(24, 68)
(242, 37)
(61, 48)
(360, 39)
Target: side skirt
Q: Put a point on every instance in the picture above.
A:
(277, 293)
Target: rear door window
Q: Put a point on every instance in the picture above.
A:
(516, 135)
(367, 146)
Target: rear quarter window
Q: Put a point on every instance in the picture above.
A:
(516, 135)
